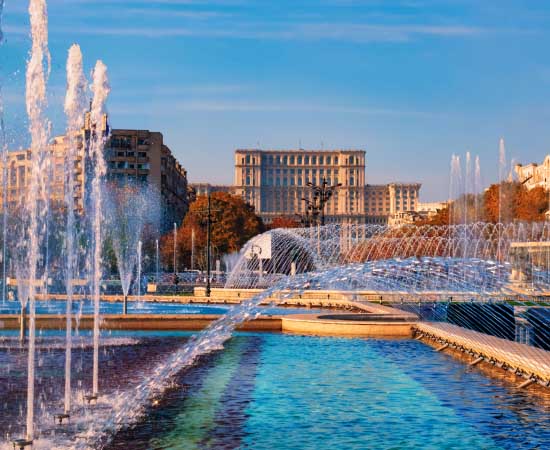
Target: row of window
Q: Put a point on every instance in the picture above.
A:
(301, 159)
(127, 165)
(131, 154)
(126, 141)
(285, 181)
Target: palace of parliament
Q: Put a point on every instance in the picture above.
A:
(275, 182)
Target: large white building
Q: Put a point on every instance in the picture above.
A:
(276, 181)
(534, 175)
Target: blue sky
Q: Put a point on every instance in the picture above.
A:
(410, 81)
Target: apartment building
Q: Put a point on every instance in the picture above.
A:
(131, 155)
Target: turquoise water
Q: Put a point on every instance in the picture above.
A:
(275, 391)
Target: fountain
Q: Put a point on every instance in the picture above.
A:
(467, 274)
(130, 207)
(101, 89)
(138, 276)
(75, 106)
(35, 211)
(4, 150)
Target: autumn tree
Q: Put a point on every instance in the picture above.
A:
(509, 201)
(441, 217)
(500, 202)
(284, 222)
(234, 222)
(531, 204)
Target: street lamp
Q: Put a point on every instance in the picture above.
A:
(321, 195)
(311, 213)
(258, 255)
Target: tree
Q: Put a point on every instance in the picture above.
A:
(234, 222)
(284, 222)
(500, 202)
(509, 201)
(441, 217)
(531, 204)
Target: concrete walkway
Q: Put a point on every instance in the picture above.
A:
(532, 361)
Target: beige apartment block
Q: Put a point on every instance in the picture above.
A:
(141, 155)
(131, 155)
(276, 181)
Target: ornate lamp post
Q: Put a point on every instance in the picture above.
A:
(321, 195)
(312, 211)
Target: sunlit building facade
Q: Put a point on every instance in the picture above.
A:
(130, 155)
(276, 181)
(534, 175)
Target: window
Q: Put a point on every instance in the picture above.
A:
(299, 160)
(320, 160)
(248, 181)
(306, 160)
(285, 160)
(21, 175)
(292, 159)
(142, 154)
(248, 159)
(336, 160)
(314, 160)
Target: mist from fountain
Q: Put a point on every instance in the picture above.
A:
(130, 207)
(75, 106)
(36, 209)
(477, 189)
(4, 150)
(138, 276)
(100, 89)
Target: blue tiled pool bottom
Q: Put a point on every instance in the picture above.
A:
(274, 391)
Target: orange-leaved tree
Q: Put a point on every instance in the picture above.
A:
(284, 222)
(234, 222)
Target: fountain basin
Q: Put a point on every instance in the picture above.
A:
(366, 325)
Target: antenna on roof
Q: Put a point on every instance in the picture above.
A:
(322, 145)
(258, 144)
(300, 144)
